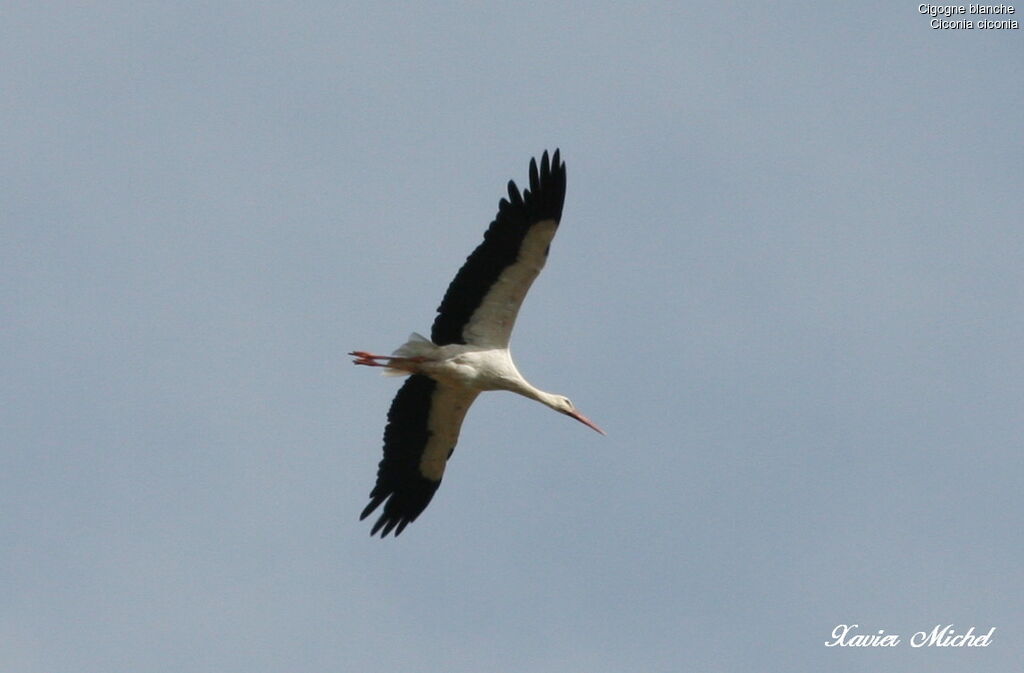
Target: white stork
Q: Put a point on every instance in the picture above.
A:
(468, 350)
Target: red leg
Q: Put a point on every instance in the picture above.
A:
(371, 360)
(368, 359)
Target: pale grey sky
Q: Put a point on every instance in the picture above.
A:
(788, 283)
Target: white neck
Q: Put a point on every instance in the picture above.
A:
(524, 388)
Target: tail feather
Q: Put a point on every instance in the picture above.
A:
(417, 346)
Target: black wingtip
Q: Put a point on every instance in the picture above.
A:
(386, 525)
(375, 502)
(387, 521)
(554, 164)
(514, 197)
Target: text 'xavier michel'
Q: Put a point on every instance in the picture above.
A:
(940, 636)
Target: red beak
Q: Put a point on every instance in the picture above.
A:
(586, 421)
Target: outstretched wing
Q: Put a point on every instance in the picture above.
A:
(482, 302)
(422, 430)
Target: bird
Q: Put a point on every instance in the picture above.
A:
(468, 350)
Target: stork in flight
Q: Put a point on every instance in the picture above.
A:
(468, 350)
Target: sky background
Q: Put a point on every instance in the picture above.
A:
(788, 283)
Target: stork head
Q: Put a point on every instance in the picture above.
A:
(564, 405)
